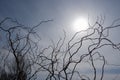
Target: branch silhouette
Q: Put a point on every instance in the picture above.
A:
(59, 61)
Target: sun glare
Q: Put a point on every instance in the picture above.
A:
(80, 23)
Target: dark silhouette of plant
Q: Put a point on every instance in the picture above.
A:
(59, 61)
(20, 47)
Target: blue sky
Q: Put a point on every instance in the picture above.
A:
(62, 12)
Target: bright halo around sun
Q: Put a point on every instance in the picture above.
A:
(80, 23)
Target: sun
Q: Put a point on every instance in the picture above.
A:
(80, 23)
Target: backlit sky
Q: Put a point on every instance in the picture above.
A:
(63, 13)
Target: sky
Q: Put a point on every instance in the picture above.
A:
(63, 13)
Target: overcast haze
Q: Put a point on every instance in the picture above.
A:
(63, 13)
